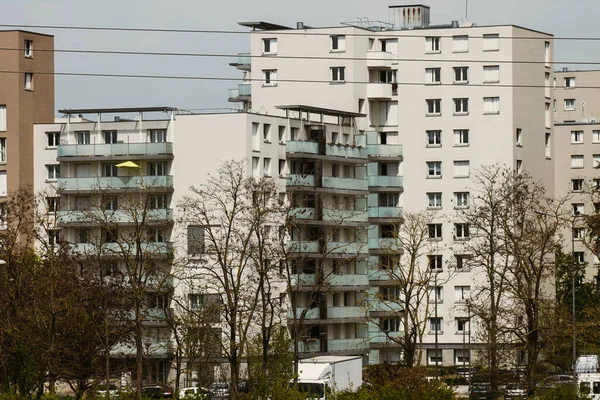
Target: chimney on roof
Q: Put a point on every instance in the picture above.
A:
(407, 17)
(300, 25)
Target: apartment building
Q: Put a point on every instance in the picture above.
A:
(454, 98)
(577, 153)
(26, 97)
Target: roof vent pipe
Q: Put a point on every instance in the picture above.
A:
(454, 24)
(565, 69)
(300, 25)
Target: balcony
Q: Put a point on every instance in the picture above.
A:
(348, 344)
(122, 249)
(385, 181)
(311, 313)
(379, 90)
(386, 244)
(346, 151)
(242, 93)
(335, 216)
(385, 150)
(79, 217)
(309, 346)
(302, 146)
(379, 59)
(303, 247)
(243, 62)
(383, 306)
(114, 182)
(380, 339)
(302, 280)
(346, 312)
(348, 280)
(300, 180)
(348, 248)
(345, 183)
(385, 212)
(156, 348)
(114, 149)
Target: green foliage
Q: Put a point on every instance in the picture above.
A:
(560, 392)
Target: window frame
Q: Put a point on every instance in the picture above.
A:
(434, 200)
(434, 107)
(460, 75)
(268, 44)
(567, 105)
(456, 39)
(486, 71)
(461, 106)
(28, 48)
(269, 77)
(335, 46)
(55, 175)
(435, 231)
(495, 100)
(338, 74)
(434, 138)
(461, 231)
(55, 139)
(461, 200)
(28, 83)
(433, 76)
(491, 38)
(433, 45)
(434, 169)
(577, 137)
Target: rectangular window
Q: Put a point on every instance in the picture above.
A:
(435, 262)
(28, 81)
(435, 325)
(110, 170)
(267, 133)
(157, 135)
(155, 235)
(158, 202)
(338, 74)
(434, 169)
(547, 53)
(338, 43)
(491, 74)
(267, 166)
(435, 231)
(269, 77)
(83, 236)
(434, 200)
(110, 137)
(461, 169)
(434, 106)
(519, 137)
(461, 231)
(432, 44)
(434, 138)
(391, 324)
(462, 356)
(82, 203)
(53, 236)
(436, 294)
(157, 169)
(110, 203)
(389, 293)
(569, 104)
(491, 42)
(577, 161)
(388, 199)
(83, 137)
(595, 136)
(596, 161)
(195, 240)
(282, 167)
(434, 357)
(255, 167)
(547, 142)
(29, 48)
(52, 139)
(281, 133)
(53, 204)
(460, 44)
(52, 172)
(570, 82)
(433, 75)
(579, 257)
(461, 199)
(577, 185)
(576, 136)
(461, 293)
(461, 106)
(519, 166)
(461, 137)
(578, 233)
(461, 74)
(270, 46)
(491, 105)
(462, 262)
(462, 325)
(2, 118)
(110, 234)
(2, 150)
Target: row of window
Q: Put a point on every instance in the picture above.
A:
(461, 325)
(461, 169)
(577, 161)
(577, 185)
(107, 170)
(491, 74)
(434, 200)
(461, 138)
(491, 105)
(460, 43)
(109, 203)
(461, 231)
(108, 137)
(112, 235)
(577, 137)
(282, 167)
(461, 293)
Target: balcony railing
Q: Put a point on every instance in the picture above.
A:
(350, 248)
(106, 216)
(346, 151)
(309, 346)
(379, 90)
(303, 247)
(348, 280)
(243, 59)
(385, 212)
(379, 59)
(341, 216)
(115, 182)
(114, 149)
(151, 347)
(300, 180)
(243, 92)
(346, 312)
(123, 249)
(390, 244)
(347, 344)
(385, 181)
(302, 280)
(311, 313)
(345, 183)
(392, 306)
(389, 150)
(301, 146)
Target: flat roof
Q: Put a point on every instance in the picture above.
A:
(24, 31)
(319, 110)
(115, 110)
(265, 26)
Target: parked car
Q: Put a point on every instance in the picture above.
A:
(515, 391)
(192, 392)
(218, 391)
(157, 392)
(481, 390)
(554, 380)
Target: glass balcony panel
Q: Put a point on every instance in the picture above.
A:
(302, 213)
(302, 280)
(348, 280)
(114, 182)
(243, 58)
(301, 146)
(345, 183)
(385, 181)
(340, 150)
(385, 212)
(346, 312)
(309, 346)
(300, 180)
(244, 89)
(347, 344)
(341, 216)
(384, 149)
(77, 216)
(346, 248)
(390, 244)
(115, 149)
(311, 313)
(303, 247)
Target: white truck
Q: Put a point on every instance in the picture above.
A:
(323, 376)
(587, 368)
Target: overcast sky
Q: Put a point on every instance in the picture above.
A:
(561, 18)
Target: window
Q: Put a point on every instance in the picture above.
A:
(579, 257)
(577, 185)
(595, 136)
(461, 169)
(388, 199)
(110, 234)
(28, 48)
(28, 81)
(436, 294)
(157, 169)
(196, 301)
(433, 75)
(434, 357)
(461, 74)
(461, 106)
(2, 150)
(434, 169)
(270, 46)
(2, 118)
(157, 135)
(282, 167)
(578, 208)
(255, 167)
(269, 77)
(267, 133)
(156, 300)
(82, 203)
(462, 325)
(461, 199)
(577, 161)
(155, 235)
(53, 236)
(195, 240)
(460, 44)
(388, 262)
(281, 133)
(570, 82)
(491, 42)
(83, 236)
(578, 233)
(519, 137)
(435, 325)
(435, 262)
(435, 231)
(391, 324)
(52, 172)
(461, 137)
(338, 74)
(434, 138)
(569, 104)
(519, 166)
(83, 137)
(597, 187)
(434, 200)
(267, 166)
(462, 356)
(389, 292)
(432, 44)
(491, 105)
(52, 139)
(338, 43)
(110, 170)
(158, 202)
(110, 203)
(462, 262)
(491, 73)
(434, 107)
(547, 53)
(461, 293)
(596, 161)
(461, 231)
(576, 136)
(110, 137)
(53, 204)
(547, 142)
